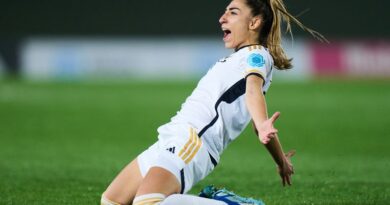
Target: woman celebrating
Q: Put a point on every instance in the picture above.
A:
(225, 100)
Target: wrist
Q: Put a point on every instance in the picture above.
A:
(282, 161)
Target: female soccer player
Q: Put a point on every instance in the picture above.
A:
(221, 106)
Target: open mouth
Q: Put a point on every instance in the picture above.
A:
(226, 33)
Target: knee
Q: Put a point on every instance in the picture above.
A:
(149, 199)
(105, 201)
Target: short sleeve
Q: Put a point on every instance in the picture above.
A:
(255, 64)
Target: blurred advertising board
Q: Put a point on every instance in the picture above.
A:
(353, 59)
(181, 58)
(115, 58)
(176, 58)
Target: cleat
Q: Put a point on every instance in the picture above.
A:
(208, 191)
(228, 197)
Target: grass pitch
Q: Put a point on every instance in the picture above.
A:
(62, 143)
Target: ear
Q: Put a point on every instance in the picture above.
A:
(255, 23)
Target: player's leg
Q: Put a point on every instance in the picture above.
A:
(157, 184)
(159, 180)
(160, 183)
(173, 172)
(184, 199)
(123, 188)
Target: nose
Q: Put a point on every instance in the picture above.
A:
(222, 19)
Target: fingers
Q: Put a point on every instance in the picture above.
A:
(290, 153)
(267, 138)
(286, 179)
(274, 117)
(286, 175)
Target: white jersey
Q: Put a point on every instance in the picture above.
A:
(216, 109)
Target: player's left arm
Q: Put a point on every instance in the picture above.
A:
(257, 108)
(264, 127)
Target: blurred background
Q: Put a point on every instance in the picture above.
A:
(84, 85)
(178, 39)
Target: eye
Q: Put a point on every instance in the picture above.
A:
(233, 13)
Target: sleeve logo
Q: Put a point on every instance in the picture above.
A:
(256, 60)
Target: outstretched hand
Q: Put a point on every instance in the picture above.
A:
(286, 169)
(266, 131)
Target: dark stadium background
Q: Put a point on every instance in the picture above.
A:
(63, 140)
(20, 19)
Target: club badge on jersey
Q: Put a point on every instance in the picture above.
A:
(256, 60)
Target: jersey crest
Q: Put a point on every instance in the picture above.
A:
(256, 60)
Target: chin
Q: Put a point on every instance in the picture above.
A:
(229, 45)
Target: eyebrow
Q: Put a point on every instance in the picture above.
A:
(232, 8)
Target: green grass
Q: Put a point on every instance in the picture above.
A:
(62, 143)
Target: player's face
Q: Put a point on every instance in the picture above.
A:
(235, 25)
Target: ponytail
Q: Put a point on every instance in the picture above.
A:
(273, 12)
(274, 40)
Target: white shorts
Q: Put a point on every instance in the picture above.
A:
(182, 153)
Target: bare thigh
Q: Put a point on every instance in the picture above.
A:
(159, 180)
(124, 187)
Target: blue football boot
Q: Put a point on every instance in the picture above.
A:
(228, 197)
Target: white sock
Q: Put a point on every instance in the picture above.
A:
(105, 201)
(184, 199)
(149, 199)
